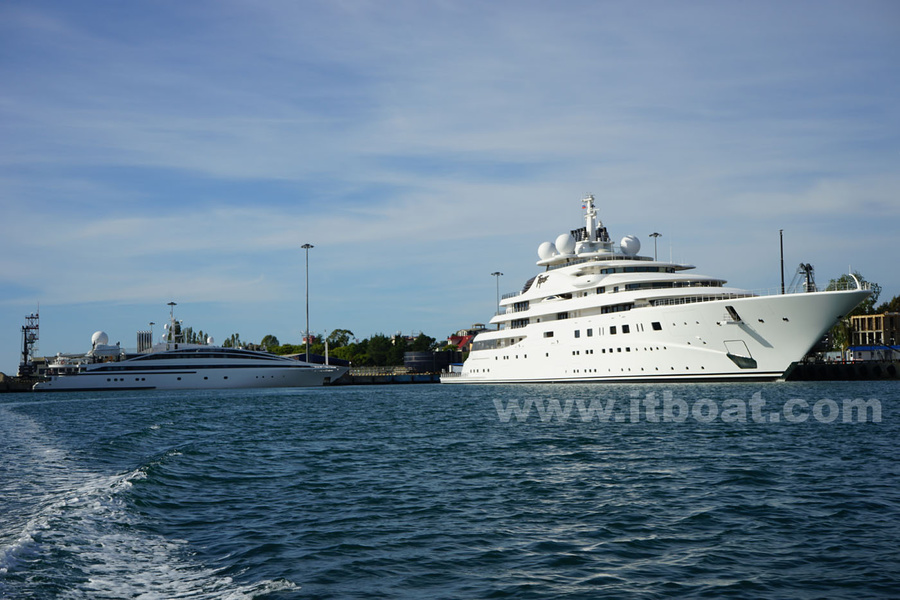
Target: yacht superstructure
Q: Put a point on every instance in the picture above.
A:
(174, 364)
(601, 312)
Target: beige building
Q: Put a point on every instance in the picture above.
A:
(875, 330)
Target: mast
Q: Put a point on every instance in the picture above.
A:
(30, 334)
(590, 218)
(171, 337)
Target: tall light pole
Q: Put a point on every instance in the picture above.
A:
(497, 274)
(654, 235)
(307, 248)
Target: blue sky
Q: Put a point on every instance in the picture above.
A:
(184, 151)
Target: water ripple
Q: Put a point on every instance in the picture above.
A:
(422, 491)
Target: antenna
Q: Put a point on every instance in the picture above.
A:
(30, 335)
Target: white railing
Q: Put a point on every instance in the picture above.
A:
(841, 287)
(736, 293)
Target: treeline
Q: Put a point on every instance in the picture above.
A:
(378, 350)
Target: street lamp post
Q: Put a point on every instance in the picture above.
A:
(497, 274)
(307, 248)
(654, 235)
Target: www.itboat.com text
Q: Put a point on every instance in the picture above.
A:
(666, 408)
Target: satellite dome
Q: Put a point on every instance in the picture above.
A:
(99, 339)
(630, 245)
(547, 250)
(210, 341)
(565, 243)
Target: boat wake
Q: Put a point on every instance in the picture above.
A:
(71, 532)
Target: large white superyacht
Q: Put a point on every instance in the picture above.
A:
(601, 312)
(175, 364)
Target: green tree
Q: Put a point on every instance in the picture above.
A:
(270, 342)
(893, 305)
(422, 343)
(350, 352)
(234, 341)
(339, 338)
(399, 347)
(378, 350)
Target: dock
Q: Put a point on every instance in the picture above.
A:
(845, 371)
(385, 376)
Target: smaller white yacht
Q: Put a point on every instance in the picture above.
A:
(174, 364)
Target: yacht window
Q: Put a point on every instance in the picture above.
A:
(548, 334)
(612, 330)
(626, 329)
(590, 333)
(578, 333)
(657, 326)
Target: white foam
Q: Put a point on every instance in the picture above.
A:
(83, 516)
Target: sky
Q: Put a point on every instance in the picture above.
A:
(166, 151)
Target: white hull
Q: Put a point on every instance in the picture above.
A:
(694, 342)
(177, 377)
(175, 365)
(601, 314)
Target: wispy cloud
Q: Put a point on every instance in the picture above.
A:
(188, 150)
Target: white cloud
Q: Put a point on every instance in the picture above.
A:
(422, 146)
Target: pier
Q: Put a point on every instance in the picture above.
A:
(847, 371)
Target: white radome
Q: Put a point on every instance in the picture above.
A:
(99, 339)
(547, 250)
(565, 243)
(630, 245)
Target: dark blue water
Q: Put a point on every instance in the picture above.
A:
(447, 492)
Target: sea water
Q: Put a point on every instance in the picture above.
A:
(786, 490)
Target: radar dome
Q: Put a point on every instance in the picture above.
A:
(210, 341)
(630, 245)
(99, 339)
(547, 250)
(565, 243)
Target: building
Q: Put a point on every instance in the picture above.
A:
(462, 339)
(875, 330)
(875, 337)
